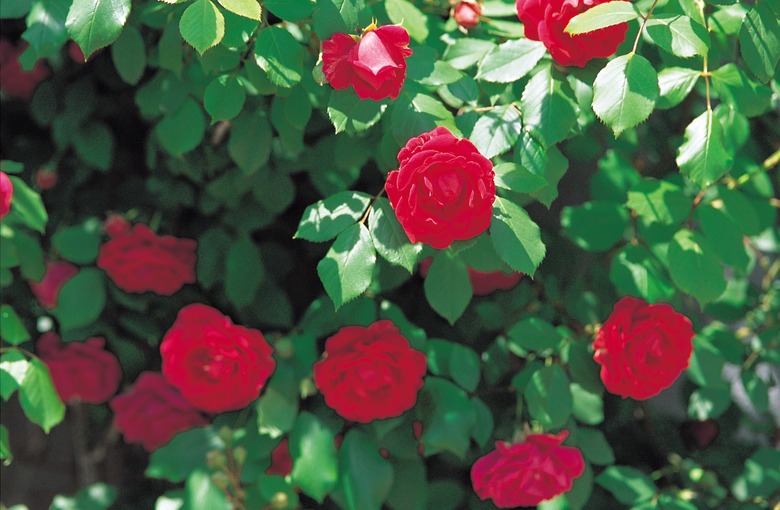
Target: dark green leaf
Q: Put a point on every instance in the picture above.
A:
(679, 35)
(389, 237)
(497, 131)
(129, 55)
(588, 407)
(548, 106)
(548, 396)
(327, 218)
(595, 226)
(185, 452)
(414, 113)
(349, 113)
(38, 398)
(290, 10)
(27, 204)
(276, 412)
(244, 272)
(94, 24)
(404, 13)
(182, 130)
(724, 236)
(516, 237)
(94, 143)
(694, 268)
(5, 446)
(365, 478)
(46, 31)
(517, 178)
(595, 447)
(410, 485)
(224, 98)
(447, 286)
(280, 56)
(13, 369)
(97, 496)
(636, 272)
(79, 243)
(81, 299)
(709, 402)
(314, 455)
(533, 334)
(448, 416)
(759, 41)
(703, 157)
(12, 329)
(348, 266)
(659, 201)
(750, 98)
(706, 363)
(628, 485)
(250, 141)
(332, 16)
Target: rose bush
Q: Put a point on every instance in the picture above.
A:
(443, 189)
(370, 373)
(527, 473)
(140, 261)
(6, 193)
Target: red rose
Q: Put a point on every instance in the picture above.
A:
(153, 411)
(6, 192)
(139, 261)
(374, 64)
(115, 225)
(80, 370)
(443, 189)
(483, 282)
(281, 462)
(46, 178)
(467, 13)
(57, 274)
(370, 373)
(546, 21)
(527, 473)
(217, 365)
(642, 348)
(14, 81)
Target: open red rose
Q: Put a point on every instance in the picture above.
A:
(642, 348)
(153, 411)
(483, 283)
(15, 81)
(374, 64)
(467, 13)
(140, 261)
(527, 473)
(57, 274)
(217, 365)
(545, 21)
(443, 189)
(83, 371)
(370, 373)
(6, 192)
(281, 462)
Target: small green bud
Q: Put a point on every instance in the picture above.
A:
(240, 454)
(216, 459)
(220, 480)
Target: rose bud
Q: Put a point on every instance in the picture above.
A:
(467, 13)
(45, 178)
(6, 192)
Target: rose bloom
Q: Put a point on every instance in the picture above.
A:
(443, 189)
(141, 261)
(6, 192)
(217, 365)
(83, 371)
(545, 21)
(281, 462)
(57, 274)
(483, 283)
(374, 64)
(467, 14)
(14, 81)
(370, 373)
(642, 348)
(527, 473)
(153, 411)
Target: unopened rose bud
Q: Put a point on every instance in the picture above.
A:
(467, 13)
(45, 178)
(216, 459)
(384, 453)
(226, 434)
(284, 348)
(240, 454)
(116, 225)
(220, 480)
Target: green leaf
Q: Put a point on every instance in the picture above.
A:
(549, 398)
(404, 13)
(5, 446)
(466, 52)
(497, 131)
(314, 455)
(694, 268)
(707, 362)
(756, 390)
(760, 477)
(516, 237)
(464, 367)
(94, 144)
(187, 451)
(201, 494)
(250, 141)
(276, 412)
(510, 61)
(348, 266)
(280, 56)
(389, 237)
(247, 8)
(602, 16)
(244, 272)
(81, 299)
(414, 113)
(675, 83)
(224, 98)
(38, 398)
(595, 447)
(290, 10)
(533, 334)
(410, 487)
(170, 51)
(327, 218)
(448, 415)
(129, 55)
(703, 157)
(202, 25)
(624, 92)
(27, 204)
(679, 35)
(211, 256)
(750, 98)
(332, 16)
(79, 243)
(183, 130)
(759, 41)
(635, 272)
(94, 24)
(13, 370)
(517, 178)
(98, 496)
(349, 113)
(46, 30)
(628, 485)
(365, 478)
(12, 329)
(659, 202)
(595, 226)
(724, 235)
(447, 286)
(709, 402)
(548, 106)
(588, 407)
(12, 9)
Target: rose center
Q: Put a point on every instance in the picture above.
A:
(443, 184)
(373, 376)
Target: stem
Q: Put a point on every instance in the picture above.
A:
(87, 475)
(705, 67)
(370, 206)
(642, 28)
